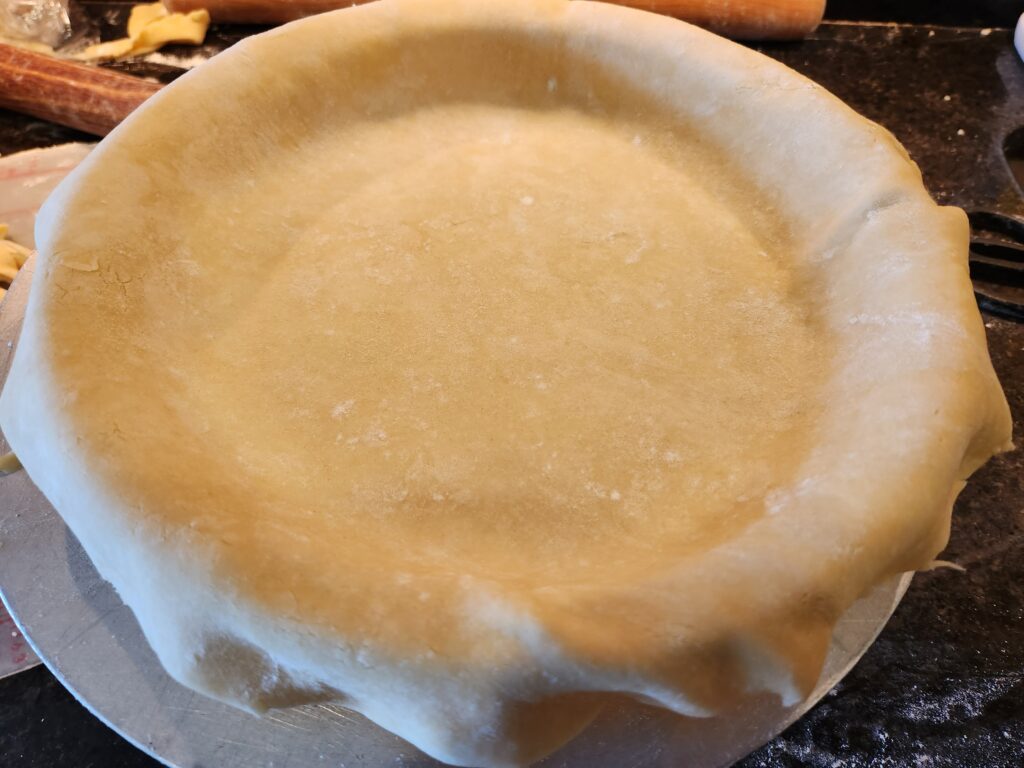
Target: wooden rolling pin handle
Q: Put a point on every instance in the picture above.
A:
(79, 96)
(742, 19)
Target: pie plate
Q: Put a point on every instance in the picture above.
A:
(91, 641)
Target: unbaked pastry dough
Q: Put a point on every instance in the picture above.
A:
(470, 363)
(12, 258)
(150, 27)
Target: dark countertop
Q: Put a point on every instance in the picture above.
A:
(944, 684)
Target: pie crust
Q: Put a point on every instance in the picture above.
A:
(470, 364)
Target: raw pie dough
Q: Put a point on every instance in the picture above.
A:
(470, 363)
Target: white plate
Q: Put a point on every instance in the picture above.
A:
(26, 180)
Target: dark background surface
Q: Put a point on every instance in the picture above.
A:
(979, 13)
(944, 684)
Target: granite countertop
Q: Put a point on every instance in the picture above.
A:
(944, 683)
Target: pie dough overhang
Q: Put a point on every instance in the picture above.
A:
(216, 546)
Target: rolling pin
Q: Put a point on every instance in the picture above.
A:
(742, 19)
(79, 96)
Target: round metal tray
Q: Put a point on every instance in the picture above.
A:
(90, 640)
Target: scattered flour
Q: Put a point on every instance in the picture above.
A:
(968, 700)
(181, 62)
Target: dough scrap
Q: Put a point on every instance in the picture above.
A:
(150, 27)
(12, 258)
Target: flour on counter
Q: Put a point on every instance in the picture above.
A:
(967, 700)
(181, 62)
